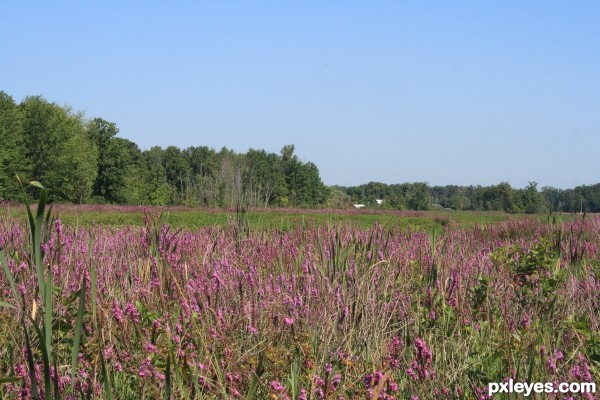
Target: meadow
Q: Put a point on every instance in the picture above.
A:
(293, 304)
(260, 218)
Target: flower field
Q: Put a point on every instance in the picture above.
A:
(332, 311)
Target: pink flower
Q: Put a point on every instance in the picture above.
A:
(337, 378)
(145, 368)
(132, 312)
(117, 312)
(149, 347)
(424, 353)
(277, 386)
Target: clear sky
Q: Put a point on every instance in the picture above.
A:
(446, 92)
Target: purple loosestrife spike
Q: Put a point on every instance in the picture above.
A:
(277, 386)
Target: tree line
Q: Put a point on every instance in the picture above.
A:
(500, 197)
(85, 161)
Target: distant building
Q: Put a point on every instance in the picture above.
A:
(359, 206)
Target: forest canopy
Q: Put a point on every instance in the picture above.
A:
(85, 161)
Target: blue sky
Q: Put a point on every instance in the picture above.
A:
(461, 92)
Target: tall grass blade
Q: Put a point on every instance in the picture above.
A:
(35, 394)
(30, 220)
(48, 315)
(197, 390)
(77, 335)
(105, 379)
(252, 388)
(35, 228)
(10, 379)
(530, 369)
(167, 395)
(56, 388)
(93, 289)
(4, 304)
(8, 274)
(294, 379)
(45, 361)
(255, 377)
(220, 375)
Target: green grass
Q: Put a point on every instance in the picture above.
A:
(284, 219)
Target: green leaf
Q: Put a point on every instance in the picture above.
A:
(9, 379)
(93, 288)
(294, 381)
(35, 395)
(77, 334)
(8, 274)
(255, 377)
(48, 315)
(45, 361)
(56, 387)
(4, 304)
(167, 395)
(105, 379)
(36, 184)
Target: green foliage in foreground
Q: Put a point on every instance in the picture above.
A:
(317, 312)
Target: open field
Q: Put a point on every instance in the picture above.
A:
(295, 305)
(283, 219)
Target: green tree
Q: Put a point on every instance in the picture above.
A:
(156, 189)
(338, 198)
(177, 171)
(553, 198)
(302, 181)
(232, 191)
(418, 197)
(532, 199)
(264, 176)
(202, 187)
(58, 147)
(78, 165)
(313, 192)
(574, 201)
(459, 202)
(12, 150)
(501, 197)
(593, 198)
(114, 160)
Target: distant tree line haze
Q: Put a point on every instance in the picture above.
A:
(500, 197)
(84, 161)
